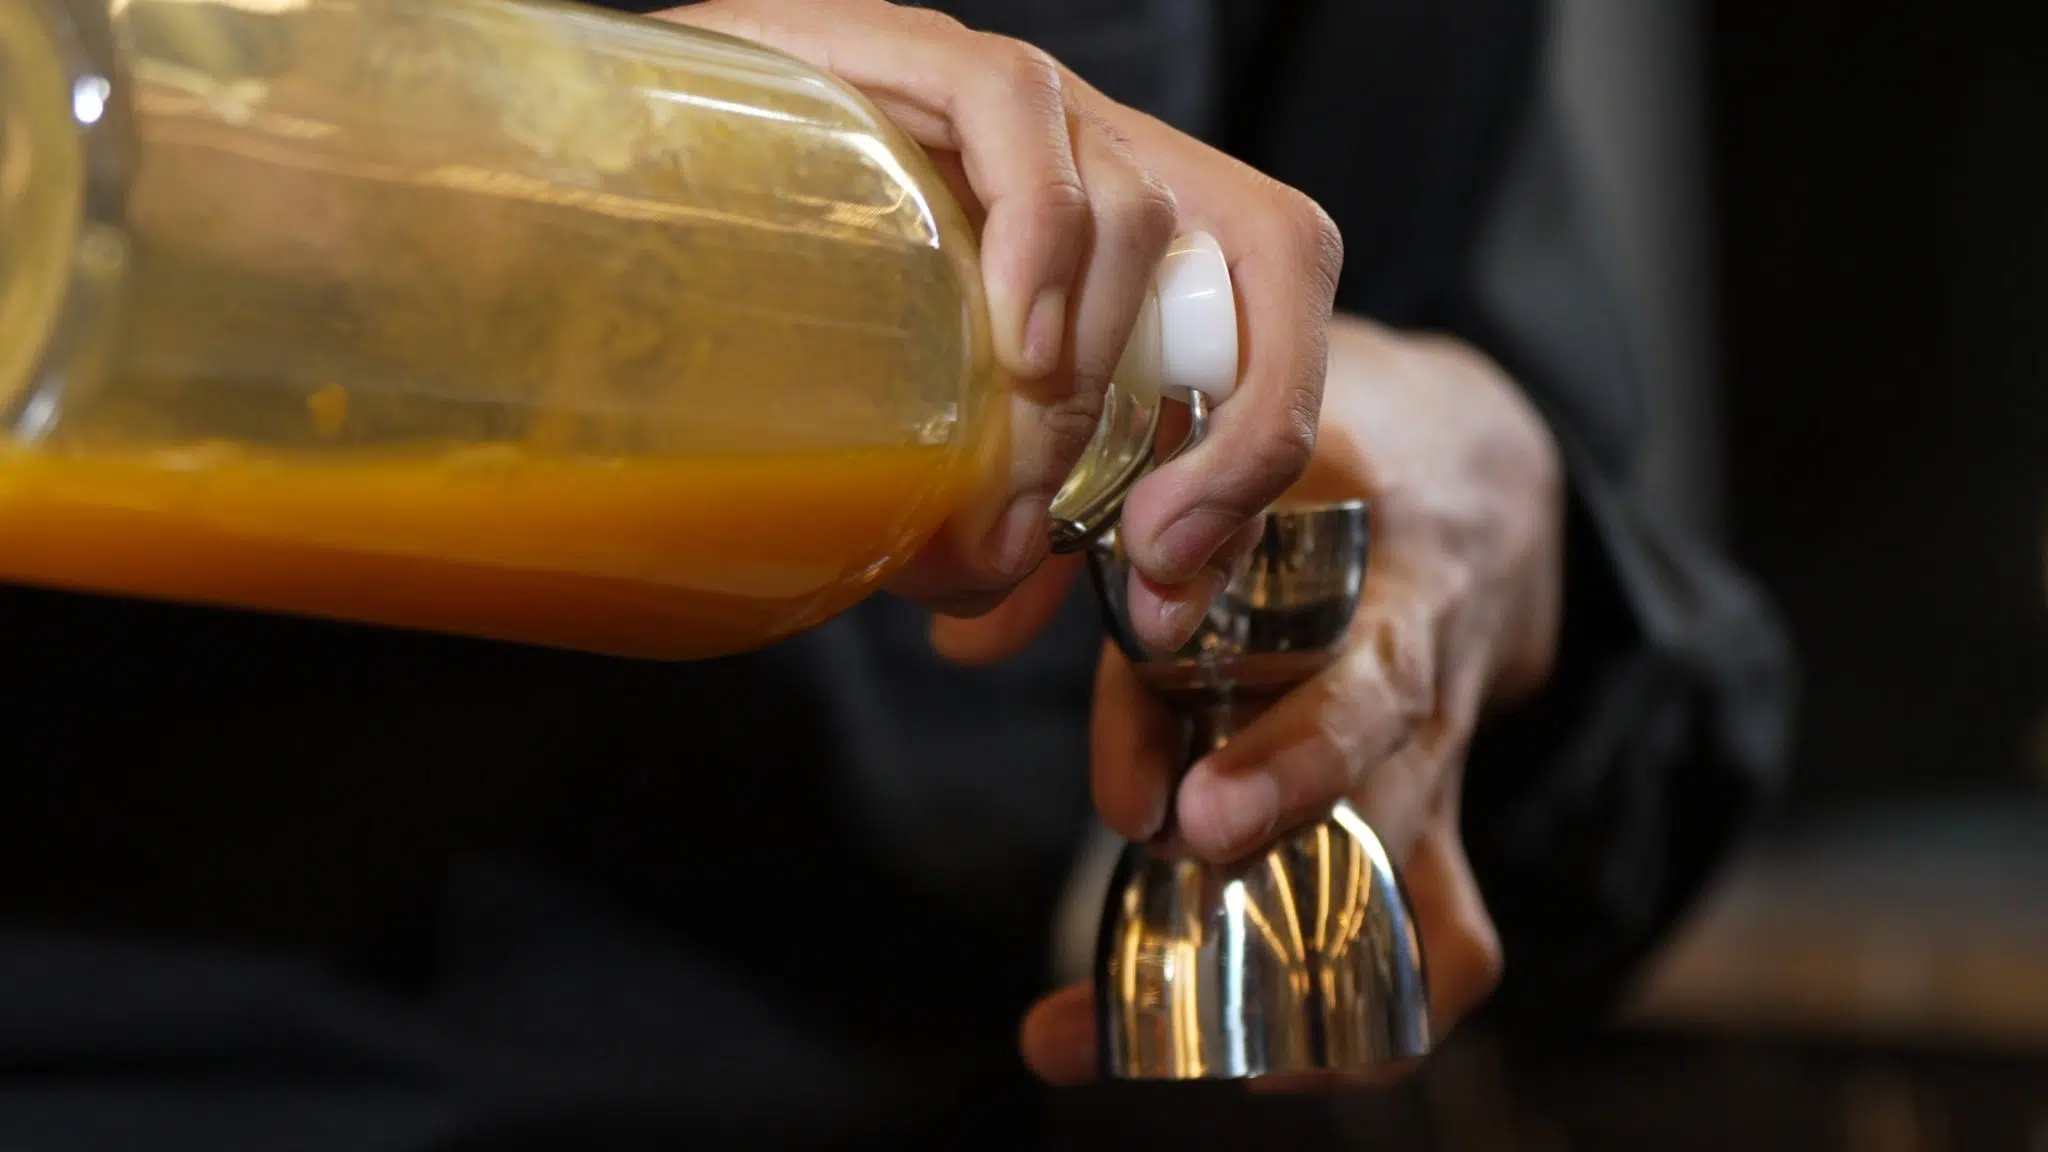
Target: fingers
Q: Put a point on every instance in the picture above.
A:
(1073, 228)
(1285, 255)
(1005, 628)
(1459, 939)
(1288, 766)
(998, 103)
(1130, 222)
(1136, 747)
(1133, 218)
(1058, 1037)
(1164, 616)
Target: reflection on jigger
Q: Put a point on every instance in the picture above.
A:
(1301, 959)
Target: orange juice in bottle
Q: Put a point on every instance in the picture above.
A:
(498, 317)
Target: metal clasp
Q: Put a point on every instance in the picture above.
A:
(1121, 453)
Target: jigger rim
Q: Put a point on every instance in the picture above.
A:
(1283, 508)
(1286, 507)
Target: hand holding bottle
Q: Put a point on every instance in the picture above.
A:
(1080, 198)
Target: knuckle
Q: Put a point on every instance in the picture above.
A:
(1028, 73)
(1141, 217)
(1309, 236)
(1404, 665)
(928, 22)
(1062, 200)
(1454, 581)
(1094, 364)
(1336, 731)
(1069, 425)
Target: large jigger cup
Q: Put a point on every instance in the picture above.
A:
(1302, 958)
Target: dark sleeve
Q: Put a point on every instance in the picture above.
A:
(1597, 812)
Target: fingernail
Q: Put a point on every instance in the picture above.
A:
(1044, 330)
(1181, 611)
(1239, 812)
(1018, 536)
(1178, 620)
(1189, 544)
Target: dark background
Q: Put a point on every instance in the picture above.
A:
(1873, 975)
(1881, 172)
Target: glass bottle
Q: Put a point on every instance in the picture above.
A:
(507, 318)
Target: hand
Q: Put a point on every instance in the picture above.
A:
(1460, 609)
(1081, 198)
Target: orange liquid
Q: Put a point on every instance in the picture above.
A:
(671, 559)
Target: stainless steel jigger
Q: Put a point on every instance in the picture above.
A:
(1303, 958)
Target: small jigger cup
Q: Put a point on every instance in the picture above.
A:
(1302, 958)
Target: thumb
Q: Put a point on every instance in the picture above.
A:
(1058, 1037)
(1010, 625)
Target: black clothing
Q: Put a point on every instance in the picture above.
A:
(292, 885)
